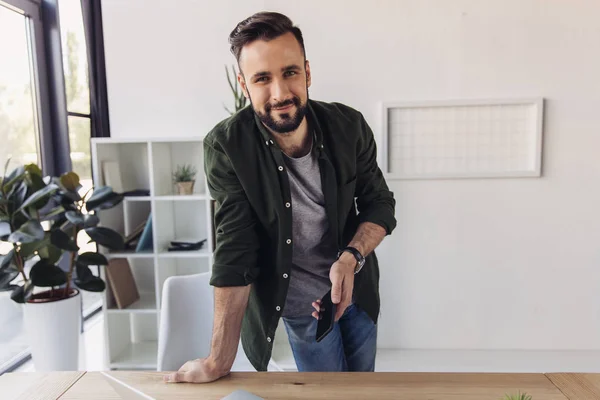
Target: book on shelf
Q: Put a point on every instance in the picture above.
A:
(145, 241)
(122, 282)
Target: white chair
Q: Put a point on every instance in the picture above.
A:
(186, 322)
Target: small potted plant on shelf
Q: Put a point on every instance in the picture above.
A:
(184, 178)
(40, 220)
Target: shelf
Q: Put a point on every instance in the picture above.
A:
(146, 304)
(142, 355)
(130, 254)
(184, 254)
(136, 198)
(188, 197)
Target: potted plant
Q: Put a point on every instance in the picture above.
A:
(238, 95)
(184, 178)
(41, 219)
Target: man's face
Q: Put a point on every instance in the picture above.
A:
(275, 77)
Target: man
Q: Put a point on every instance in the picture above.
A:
(285, 173)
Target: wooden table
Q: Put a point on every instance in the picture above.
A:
(313, 386)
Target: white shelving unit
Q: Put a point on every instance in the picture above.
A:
(131, 334)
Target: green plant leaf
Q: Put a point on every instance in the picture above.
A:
(22, 293)
(90, 220)
(74, 217)
(8, 288)
(33, 180)
(7, 276)
(45, 274)
(103, 199)
(63, 241)
(37, 199)
(53, 213)
(16, 175)
(50, 253)
(92, 284)
(90, 258)
(29, 232)
(4, 228)
(70, 181)
(7, 260)
(106, 237)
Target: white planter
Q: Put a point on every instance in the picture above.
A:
(53, 329)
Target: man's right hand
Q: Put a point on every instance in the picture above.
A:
(201, 370)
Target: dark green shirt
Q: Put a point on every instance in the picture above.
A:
(247, 177)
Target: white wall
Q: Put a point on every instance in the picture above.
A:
(473, 264)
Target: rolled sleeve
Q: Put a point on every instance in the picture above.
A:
(375, 202)
(237, 243)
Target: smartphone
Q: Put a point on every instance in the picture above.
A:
(326, 317)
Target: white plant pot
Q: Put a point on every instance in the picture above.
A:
(53, 329)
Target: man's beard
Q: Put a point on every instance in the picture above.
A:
(287, 123)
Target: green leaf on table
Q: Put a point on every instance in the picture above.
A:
(46, 275)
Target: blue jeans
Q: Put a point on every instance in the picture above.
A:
(350, 346)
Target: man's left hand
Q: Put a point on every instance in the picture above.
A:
(342, 282)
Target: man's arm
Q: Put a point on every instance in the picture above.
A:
(230, 305)
(376, 215)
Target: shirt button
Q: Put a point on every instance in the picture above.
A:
(270, 141)
(285, 276)
(269, 339)
(288, 241)
(288, 205)
(267, 142)
(280, 168)
(278, 308)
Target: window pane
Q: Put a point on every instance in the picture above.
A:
(18, 129)
(79, 138)
(74, 56)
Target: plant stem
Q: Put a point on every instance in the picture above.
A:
(72, 265)
(20, 263)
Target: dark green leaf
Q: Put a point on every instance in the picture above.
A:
(70, 181)
(21, 293)
(103, 198)
(106, 237)
(4, 228)
(71, 196)
(93, 284)
(63, 241)
(45, 274)
(39, 195)
(91, 258)
(74, 217)
(8, 288)
(28, 249)
(27, 233)
(34, 181)
(7, 276)
(53, 213)
(20, 194)
(7, 260)
(16, 175)
(50, 253)
(90, 220)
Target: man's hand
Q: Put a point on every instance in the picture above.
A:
(342, 284)
(201, 370)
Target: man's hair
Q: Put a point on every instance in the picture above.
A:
(262, 26)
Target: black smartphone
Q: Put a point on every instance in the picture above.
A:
(326, 317)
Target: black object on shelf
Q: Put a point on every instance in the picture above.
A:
(137, 193)
(186, 246)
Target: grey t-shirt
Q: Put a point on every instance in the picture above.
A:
(314, 248)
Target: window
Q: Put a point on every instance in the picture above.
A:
(46, 114)
(18, 126)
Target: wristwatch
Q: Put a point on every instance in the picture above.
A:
(360, 260)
